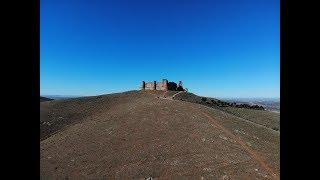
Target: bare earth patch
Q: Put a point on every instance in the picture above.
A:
(138, 135)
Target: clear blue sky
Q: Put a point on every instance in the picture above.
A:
(222, 48)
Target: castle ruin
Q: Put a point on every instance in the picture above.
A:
(165, 85)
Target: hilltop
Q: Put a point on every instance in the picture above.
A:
(142, 134)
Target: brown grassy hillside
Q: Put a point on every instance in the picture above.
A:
(265, 118)
(261, 117)
(136, 135)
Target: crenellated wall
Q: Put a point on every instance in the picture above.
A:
(162, 86)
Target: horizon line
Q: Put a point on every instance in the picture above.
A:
(222, 97)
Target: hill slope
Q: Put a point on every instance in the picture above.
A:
(261, 117)
(42, 99)
(144, 134)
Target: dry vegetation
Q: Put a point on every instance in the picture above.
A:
(265, 118)
(251, 113)
(137, 135)
(212, 102)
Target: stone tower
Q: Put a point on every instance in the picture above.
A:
(154, 85)
(143, 87)
(165, 84)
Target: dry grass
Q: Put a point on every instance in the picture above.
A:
(136, 135)
(265, 118)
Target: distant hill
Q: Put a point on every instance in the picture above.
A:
(42, 99)
(143, 134)
(59, 97)
(271, 104)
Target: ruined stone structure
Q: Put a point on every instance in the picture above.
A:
(165, 85)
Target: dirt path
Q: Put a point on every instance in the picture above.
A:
(254, 155)
(237, 139)
(176, 94)
(139, 135)
(232, 114)
(170, 97)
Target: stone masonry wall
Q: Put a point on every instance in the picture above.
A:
(149, 86)
(161, 86)
(155, 85)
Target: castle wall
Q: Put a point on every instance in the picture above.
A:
(158, 86)
(162, 86)
(149, 86)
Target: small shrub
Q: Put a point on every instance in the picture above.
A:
(203, 99)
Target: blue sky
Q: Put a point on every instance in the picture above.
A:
(222, 48)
